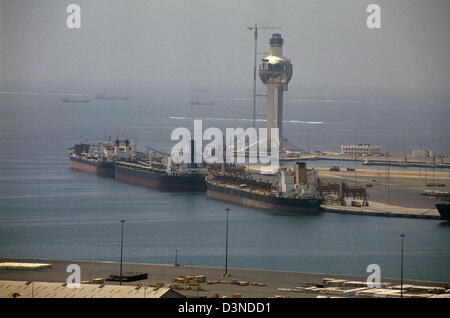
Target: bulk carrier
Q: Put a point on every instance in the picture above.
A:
(291, 189)
(156, 174)
(119, 161)
(158, 171)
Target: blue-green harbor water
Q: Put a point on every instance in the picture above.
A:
(50, 211)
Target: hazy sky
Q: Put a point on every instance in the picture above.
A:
(174, 46)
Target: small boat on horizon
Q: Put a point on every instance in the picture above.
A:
(197, 102)
(201, 97)
(110, 97)
(75, 100)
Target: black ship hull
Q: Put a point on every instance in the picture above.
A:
(162, 181)
(262, 201)
(444, 210)
(100, 168)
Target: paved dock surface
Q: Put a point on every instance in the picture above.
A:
(391, 193)
(277, 282)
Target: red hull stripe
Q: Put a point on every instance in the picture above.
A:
(92, 169)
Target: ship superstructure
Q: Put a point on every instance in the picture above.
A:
(275, 72)
(99, 158)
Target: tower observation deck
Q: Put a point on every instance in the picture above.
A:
(275, 72)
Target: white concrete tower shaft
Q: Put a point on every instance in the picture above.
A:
(275, 72)
(274, 109)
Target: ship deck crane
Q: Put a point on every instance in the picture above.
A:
(155, 150)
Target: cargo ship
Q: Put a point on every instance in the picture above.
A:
(444, 210)
(158, 171)
(290, 189)
(99, 158)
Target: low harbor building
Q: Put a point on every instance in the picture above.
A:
(360, 150)
(23, 289)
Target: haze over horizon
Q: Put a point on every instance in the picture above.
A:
(173, 47)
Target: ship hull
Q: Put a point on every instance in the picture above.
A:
(160, 181)
(263, 201)
(444, 210)
(102, 169)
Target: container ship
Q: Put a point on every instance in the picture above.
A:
(158, 171)
(291, 189)
(99, 158)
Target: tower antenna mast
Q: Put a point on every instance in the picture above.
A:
(256, 28)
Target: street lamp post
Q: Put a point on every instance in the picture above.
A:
(401, 269)
(121, 252)
(176, 257)
(226, 247)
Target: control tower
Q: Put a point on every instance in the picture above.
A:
(275, 72)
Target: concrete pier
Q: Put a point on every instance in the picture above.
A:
(393, 193)
(386, 210)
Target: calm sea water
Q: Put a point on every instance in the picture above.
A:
(49, 211)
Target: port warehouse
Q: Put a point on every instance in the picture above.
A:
(370, 150)
(330, 288)
(23, 289)
(360, 150)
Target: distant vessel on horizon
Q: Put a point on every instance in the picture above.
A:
(196, 102)
(75, 100)
(110, 97)
(203, 100)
